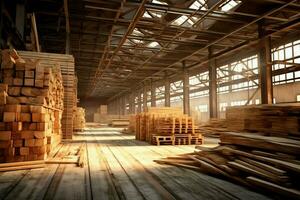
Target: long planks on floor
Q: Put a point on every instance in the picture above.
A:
(117, 167)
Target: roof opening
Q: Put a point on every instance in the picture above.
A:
(230, 4)
(199, 4)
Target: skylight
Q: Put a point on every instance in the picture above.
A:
(198, 4)
(156, 14)
(180, 20)
(153, 44)
(159, 2)
(137, 32)
(147, 15)
(151, 14)
(228, 5)
(136, 41)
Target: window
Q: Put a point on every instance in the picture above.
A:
(257, 101)
(298, 98)
(222, 106)
(242, 70)
(160, 92)
(238, 103)
(176, 87)
(176, 99)
(283, 57)
(202, 108)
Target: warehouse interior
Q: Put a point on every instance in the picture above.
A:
(150, 99)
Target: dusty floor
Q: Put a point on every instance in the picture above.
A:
(118, 167)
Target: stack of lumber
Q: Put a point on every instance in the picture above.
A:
(267, 163)
(132, 124)
(30, 108)
(66, 63)
(79, 119)
(275, 120)
(166, 125)
(120, 122)
(102, 109)
(213, 128)
(101, 115)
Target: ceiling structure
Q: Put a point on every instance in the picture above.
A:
(119, 45)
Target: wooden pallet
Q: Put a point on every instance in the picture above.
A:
(177, 139)
(163, 139)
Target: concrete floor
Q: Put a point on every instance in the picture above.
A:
(118, 167)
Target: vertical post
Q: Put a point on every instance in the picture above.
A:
(265, 67)
(212, 73)
(67, 27)
(123, 105)
(139, 102)
(126, 100)
(153, 94)
(1, 24)
(132, 104)
(145, 97)
(167, 92)
(119, 105)
(186, 90)
(36, 36)
(20, 18)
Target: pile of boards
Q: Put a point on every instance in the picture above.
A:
(67, 68)
(120, 122)
(281, 120)
(79, 119)
(31, 104)
(268, 162)
(165, 125)
(213, 128)
(101, 115)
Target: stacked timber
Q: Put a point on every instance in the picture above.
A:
(119, 122)
(79, 119)
(214, 127)
(30, 108)
(274, 120)
(101, 115)
(66, 63)
(268, 161)
(166, 125)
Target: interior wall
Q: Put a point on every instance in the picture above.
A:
(282, 94)
(91, 105)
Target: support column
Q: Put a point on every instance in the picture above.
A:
(1, 24)
(186, 90)
(212, 73)
(127, 100)
(265, 67)
(153, 94)
(145, 97)
(119, 106)
(123, 105)
(20, 18)
(139, 102)
(131, 104)
(66, 9)
(167, 92)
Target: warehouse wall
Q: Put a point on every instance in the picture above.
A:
(200, 108)
(90, 105)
